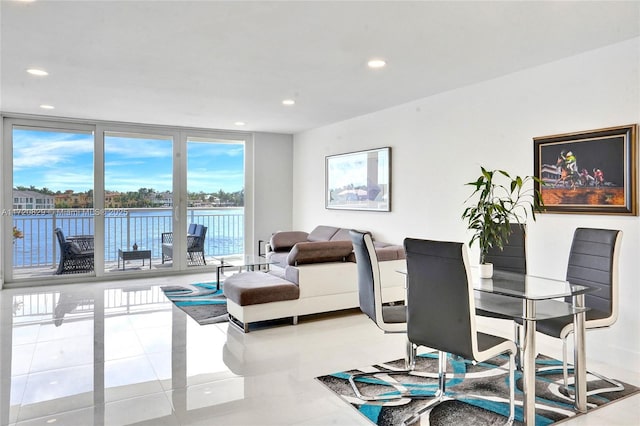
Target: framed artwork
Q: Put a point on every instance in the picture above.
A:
(359, 180)
(588, 172)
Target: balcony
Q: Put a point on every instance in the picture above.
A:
(37, 252)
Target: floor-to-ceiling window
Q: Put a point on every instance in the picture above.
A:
(138, 200)
(215, 188)
(116, 191)
(52, 189)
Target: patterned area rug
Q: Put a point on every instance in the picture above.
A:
(200, 301)
(480, 393)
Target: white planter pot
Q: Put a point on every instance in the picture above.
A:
(486, 270)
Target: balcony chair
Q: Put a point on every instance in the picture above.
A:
(593, 261)
(390, 319)
(74, 259)
(441, 311)
(196, 235)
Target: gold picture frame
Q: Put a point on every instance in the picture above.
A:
(592, 172)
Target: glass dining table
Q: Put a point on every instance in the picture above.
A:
(531, 298)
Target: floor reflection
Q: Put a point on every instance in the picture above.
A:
(83, 356)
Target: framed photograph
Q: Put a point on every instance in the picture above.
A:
(588, 172)
(359, 180)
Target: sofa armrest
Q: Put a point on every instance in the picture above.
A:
(284, 240)
(319, 251)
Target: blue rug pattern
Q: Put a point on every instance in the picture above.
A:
(480, 392)
(201, 301)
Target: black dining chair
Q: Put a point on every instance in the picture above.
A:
(441, 310)
(593, 261)
(511, 258)
(513, 255)
(389, 318)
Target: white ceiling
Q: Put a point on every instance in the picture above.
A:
(212, 63)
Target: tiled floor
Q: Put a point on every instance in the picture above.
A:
(126, 356)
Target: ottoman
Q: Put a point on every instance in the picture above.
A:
(256, 288)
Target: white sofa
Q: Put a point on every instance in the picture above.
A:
(324, 284)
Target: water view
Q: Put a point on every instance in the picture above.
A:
(36, 244)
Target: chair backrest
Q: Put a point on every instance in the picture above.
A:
(60, 236)
(192, 229)
(593, 261)
(439, 297)
(512, 257)
(369, 287)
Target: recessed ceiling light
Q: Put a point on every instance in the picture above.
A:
(288, 102)
(376, 63)
(47, 106)
(36, 71)
(239, 123)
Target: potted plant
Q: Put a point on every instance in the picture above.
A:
(501, 200)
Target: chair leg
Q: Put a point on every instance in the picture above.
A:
(566, 366)
(615, 385)
(410, 365)
(403, 393)
(410, 357)
(565, 373)
(517, 338)
(512, 388)
(440, 394)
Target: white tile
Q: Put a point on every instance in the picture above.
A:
(129, 377)
(56, 391)
(70, 418)
(123, 343)
(25, 334)
(155, 365)
(154, 408)
(21, 358)
(67, 352)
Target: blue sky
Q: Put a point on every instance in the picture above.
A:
(61, 161)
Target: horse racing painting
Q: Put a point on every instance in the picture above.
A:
(588, 172)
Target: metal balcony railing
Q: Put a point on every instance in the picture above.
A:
(123, 227)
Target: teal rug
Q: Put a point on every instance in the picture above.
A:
(201, 301)
(480, 393)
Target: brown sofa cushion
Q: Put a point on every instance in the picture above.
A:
(284, 240)
(319, 251)
(391, 252)
(253, 288)
(322, 233)
(341, 235)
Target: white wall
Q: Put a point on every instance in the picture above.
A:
(439, 142)
(273, 184)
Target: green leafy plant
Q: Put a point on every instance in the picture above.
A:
(499, 204)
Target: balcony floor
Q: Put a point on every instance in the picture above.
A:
(110, 267)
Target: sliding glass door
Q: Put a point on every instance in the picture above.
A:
(138, 201)
(215, 203)
(50, 208)
(83, 200)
